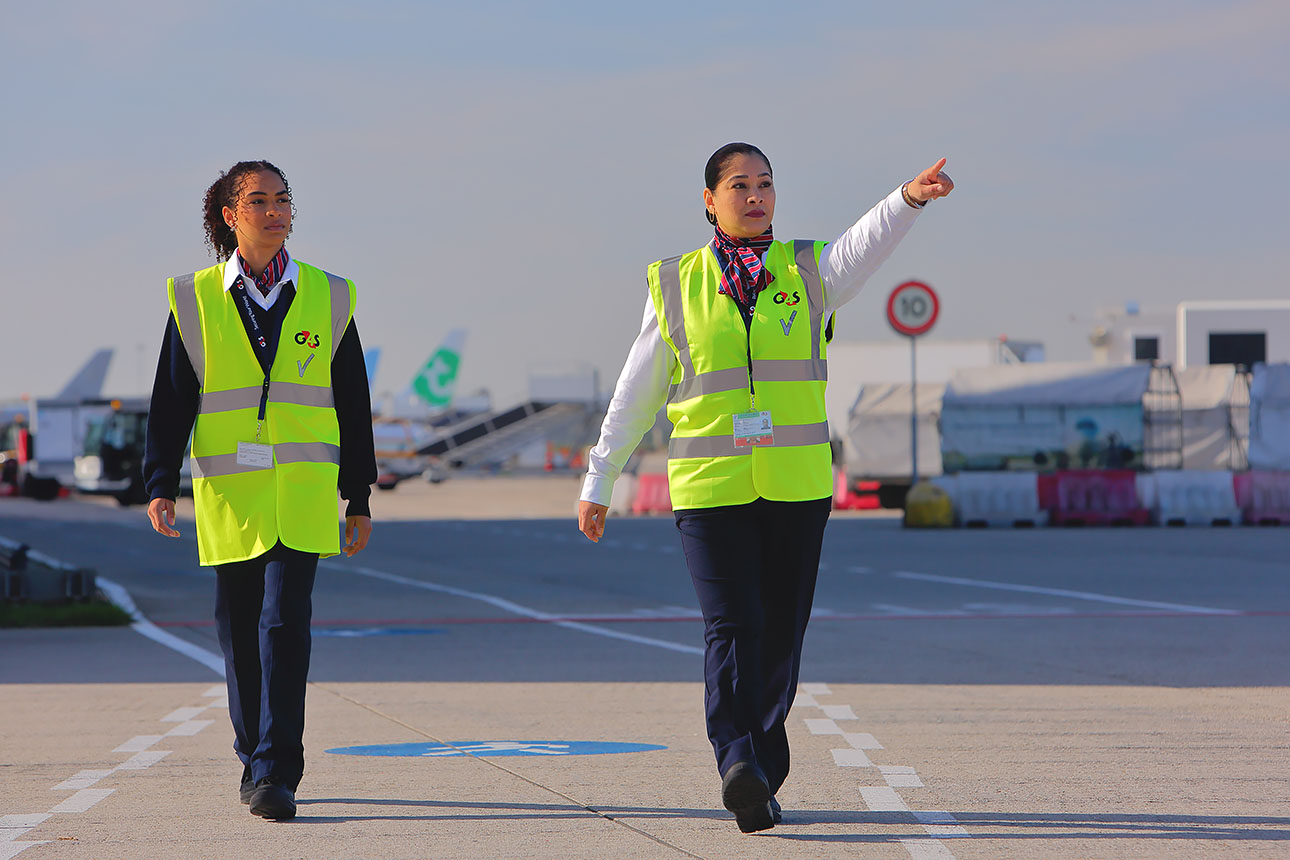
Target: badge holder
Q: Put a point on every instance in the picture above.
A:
(753, 428)
(255, 454)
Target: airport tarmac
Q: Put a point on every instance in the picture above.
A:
(515, 691)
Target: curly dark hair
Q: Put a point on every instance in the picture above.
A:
(225, 191)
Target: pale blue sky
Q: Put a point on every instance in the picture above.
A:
(512, 168)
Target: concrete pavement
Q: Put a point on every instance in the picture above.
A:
(1102, 693)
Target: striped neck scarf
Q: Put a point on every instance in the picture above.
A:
(743, 276)
(272, 272)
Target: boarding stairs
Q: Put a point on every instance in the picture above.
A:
(489, 440)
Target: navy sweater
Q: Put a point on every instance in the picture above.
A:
(175, 396)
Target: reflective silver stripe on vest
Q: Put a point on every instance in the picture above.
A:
(736, 378)
(306, 452)
(340, 309)
(669, 283)
(804, 256)
(219, 465)
(713, 382)
(190, 324)
(295, 393)
(791, 369)
(682, 447)
(787, 436)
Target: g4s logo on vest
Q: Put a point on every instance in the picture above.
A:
(305, 339)
(781, 298)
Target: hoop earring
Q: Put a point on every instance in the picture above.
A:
(711, 216)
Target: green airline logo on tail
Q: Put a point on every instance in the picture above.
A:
(437, 380)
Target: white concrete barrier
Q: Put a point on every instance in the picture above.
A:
(998, 499)
(1191, 498)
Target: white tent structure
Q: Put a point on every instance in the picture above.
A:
(1270, 417)
(1063, 415)
(1215, 416)
(876, 445)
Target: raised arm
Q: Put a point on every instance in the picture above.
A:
(850, 259)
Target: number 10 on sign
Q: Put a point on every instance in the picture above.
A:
(912, 309)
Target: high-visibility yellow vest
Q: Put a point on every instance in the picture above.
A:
(784, 352)
(244, 509)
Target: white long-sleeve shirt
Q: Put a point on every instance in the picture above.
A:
(845, 264)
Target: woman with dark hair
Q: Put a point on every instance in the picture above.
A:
(734, 340)
(261, 362)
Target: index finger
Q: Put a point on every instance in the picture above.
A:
(936, 168)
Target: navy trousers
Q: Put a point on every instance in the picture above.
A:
(263, 607)
(754, 568)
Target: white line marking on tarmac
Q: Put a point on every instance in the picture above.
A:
(1063, 592)
(884, 798)
(851, 758)
(926, 849)
(214, 692)
(903, 780)
(188, 729)
(118, 595)
(13, 826)
(84, 779)
(82, 800)
(143, 760)
(182, 715)
(519, 609)
(839, 712)
(822, 727)
(138, 743)
(9, 850)
(816, 689)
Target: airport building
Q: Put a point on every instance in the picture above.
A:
(1195, 334)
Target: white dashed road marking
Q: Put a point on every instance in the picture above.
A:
(84, 797)
(881, 798)
(82, 800)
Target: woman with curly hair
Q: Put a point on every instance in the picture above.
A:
(262, 364)
(734, 341)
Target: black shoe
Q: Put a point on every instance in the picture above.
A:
(776, 814)
(247, 788)
(744, 792)
(273, 800)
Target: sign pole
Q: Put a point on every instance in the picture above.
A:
(913, 409)
(912, 309)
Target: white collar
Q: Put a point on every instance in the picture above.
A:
(233, 268)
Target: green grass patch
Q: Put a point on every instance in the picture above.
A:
(93, 613)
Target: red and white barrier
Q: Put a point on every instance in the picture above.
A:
(1190, 498)
(996, 499)
(1263, 496)
(652, 496)
(1097, 497)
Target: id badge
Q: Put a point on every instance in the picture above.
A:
(253, 454)
(753, 428)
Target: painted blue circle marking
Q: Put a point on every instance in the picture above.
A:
(497, 748)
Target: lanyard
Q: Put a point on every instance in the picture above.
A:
(265, 351)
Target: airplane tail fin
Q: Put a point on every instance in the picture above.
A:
(436, 382)
(88, 381)
(372, 358)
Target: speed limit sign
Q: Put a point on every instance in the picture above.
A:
(912, 308)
